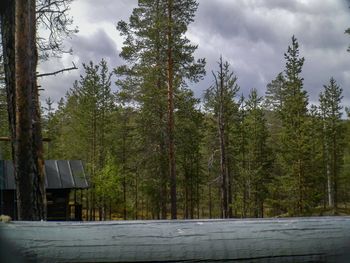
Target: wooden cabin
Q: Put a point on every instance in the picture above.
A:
(62, 177)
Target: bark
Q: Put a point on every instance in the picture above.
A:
(38, 152)
(7, 17)
(170, 82)
(18, 30)
(25, 68)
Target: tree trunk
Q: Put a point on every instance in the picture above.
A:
(7, 17)
(229, 184)
(38, 148)
(223, 163)
(334, 168)
(170, 82)
(28, 153)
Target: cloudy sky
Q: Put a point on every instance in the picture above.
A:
(251, 34)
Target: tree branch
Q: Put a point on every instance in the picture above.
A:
(56, 72)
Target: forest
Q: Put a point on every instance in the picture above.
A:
(153, 150)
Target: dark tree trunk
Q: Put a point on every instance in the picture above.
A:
(18, 29)
(38, 152)
(223, 159)
(163, 180)
(28, 164)
(7, 17)
(229, 180)
(170, 80)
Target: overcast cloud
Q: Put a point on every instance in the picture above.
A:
(251, 34)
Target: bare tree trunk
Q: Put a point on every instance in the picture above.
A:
(28, 154)
(329, 187)
(38, 148)
(163, 176)
(229, 184)
(7, 17)
(210, 203)
(223, 163)
(136, 196)
(335, 176)
(170, 80)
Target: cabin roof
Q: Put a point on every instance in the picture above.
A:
(59, 174)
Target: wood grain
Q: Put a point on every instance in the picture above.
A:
(325, 239)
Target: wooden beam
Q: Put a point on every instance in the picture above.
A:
(8, 139)
(325, 239)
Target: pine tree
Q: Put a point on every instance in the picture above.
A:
(294, 152)
(219, 100)
(188, 144)
(331, 111)
(274, 93)
(160, 59)
(258, 154)
(84, 120)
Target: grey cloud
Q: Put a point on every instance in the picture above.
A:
(55, 87)
(86, 48)
(253, 36)
(109, 10)
(261, 22)
(95, 47)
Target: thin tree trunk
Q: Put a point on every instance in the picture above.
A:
(229, 184)
(136, 196)
(125, 119)
(163, 178)
(170, 79)
(223, 164)
(334, 164)
(210, 203)
(329, 187)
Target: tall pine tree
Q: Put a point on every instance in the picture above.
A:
(220, 101)
(294, 152)
(160, 60)
(333, 134)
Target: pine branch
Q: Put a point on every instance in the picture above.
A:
(56, 72)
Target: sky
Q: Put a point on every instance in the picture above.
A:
(252, 35)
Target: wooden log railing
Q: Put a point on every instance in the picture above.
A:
(325, 239)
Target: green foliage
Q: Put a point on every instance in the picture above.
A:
(108, 180)
(5, 151)
(150, 39)
(236, 157)
(333, 134)
(294, 156)
(220, 101)
(258, 154)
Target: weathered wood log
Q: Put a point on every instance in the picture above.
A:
(324, 239)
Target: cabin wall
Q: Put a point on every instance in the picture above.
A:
(57, 204)
(8, 204)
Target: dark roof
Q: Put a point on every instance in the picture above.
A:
(59, 174)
